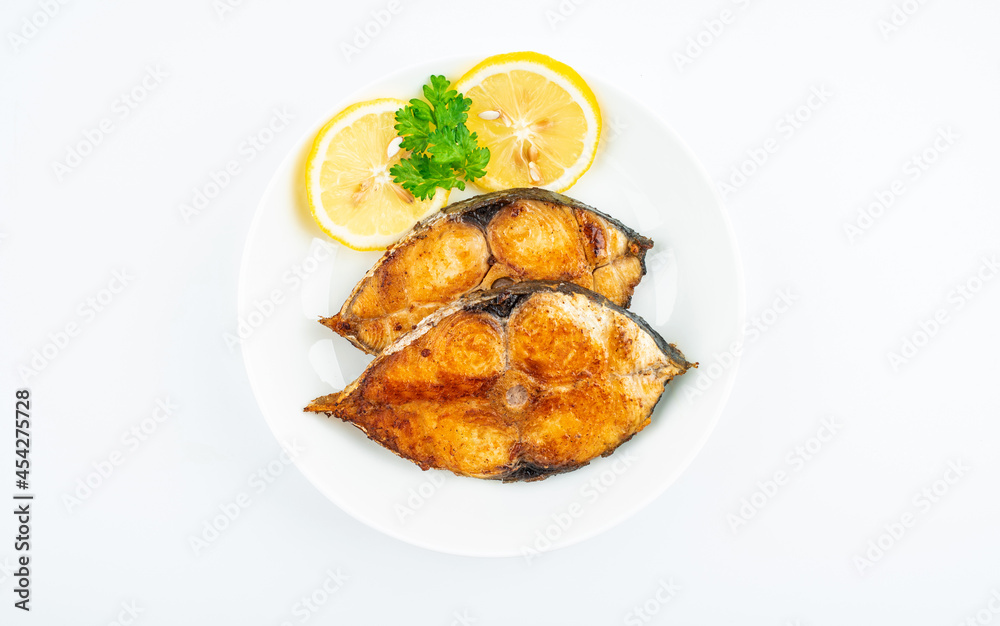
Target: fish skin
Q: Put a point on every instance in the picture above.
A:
(515, 234)
(517, 383)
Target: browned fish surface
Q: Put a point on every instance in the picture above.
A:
(508, 236)
(513, 384)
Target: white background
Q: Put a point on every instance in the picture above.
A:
(859, 298)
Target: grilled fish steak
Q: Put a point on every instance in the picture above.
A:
(484, 242)
(516, 383)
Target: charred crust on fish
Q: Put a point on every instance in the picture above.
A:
(513, 384)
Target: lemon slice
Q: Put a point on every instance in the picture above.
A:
(348, 184)
(539, 119)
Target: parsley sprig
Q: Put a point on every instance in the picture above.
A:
(443, 153)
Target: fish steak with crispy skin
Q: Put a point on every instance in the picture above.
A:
(484, 242)
(516, 383)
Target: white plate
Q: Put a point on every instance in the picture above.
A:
(693, 295)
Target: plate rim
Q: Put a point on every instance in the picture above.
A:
(616, 519)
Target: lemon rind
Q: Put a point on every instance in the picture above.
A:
(564, 76)
(323, 137)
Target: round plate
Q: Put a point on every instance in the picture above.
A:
(292, 274)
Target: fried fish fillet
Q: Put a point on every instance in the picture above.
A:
(508, 236)
(516, 383)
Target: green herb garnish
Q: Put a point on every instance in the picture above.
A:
(443, 153)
